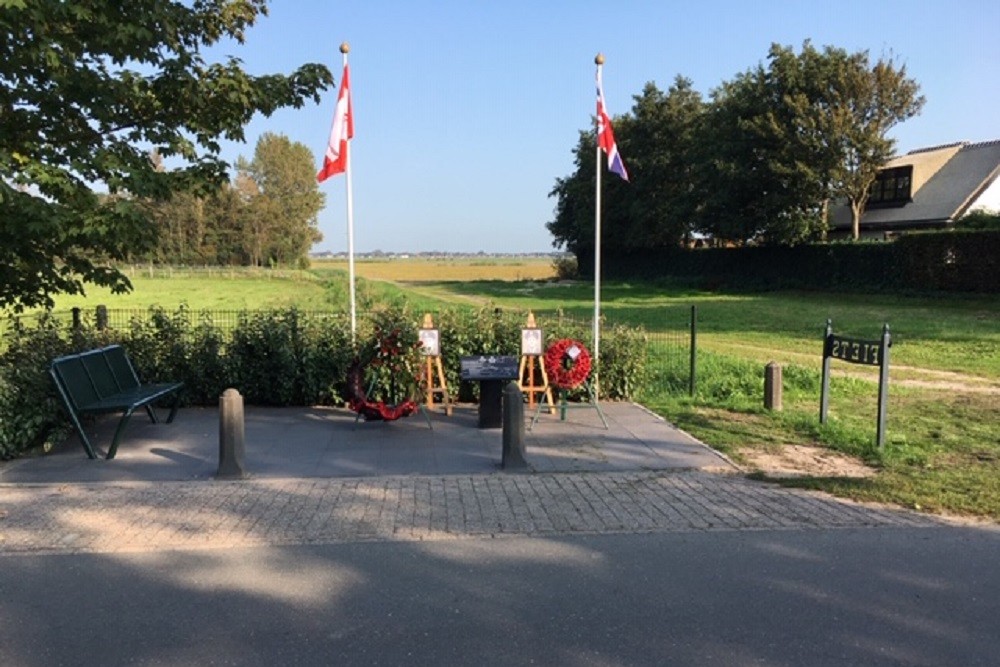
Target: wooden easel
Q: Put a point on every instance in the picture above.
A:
(527, 381)
(432, 362)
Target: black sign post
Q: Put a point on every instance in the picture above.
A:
(855, 351)
(491, 371)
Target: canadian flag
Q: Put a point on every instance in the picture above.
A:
(335, 159)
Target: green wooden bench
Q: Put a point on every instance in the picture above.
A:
(102, 381)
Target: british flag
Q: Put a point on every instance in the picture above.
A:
(606, 136)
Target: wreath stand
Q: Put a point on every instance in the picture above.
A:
(565, 405)
(432, 363)
(557, 355)
(377, 410)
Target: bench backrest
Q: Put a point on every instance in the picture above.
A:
(100, 373)
(121, 368)
(74, 381)
(88, 377)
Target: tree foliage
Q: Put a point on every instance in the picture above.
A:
(266, 217)
(760, 162)
(288, 198)
(86, 91)
(655, 208)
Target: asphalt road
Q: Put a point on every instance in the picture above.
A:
(850, 596)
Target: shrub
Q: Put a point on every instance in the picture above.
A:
(277, 357)
(566, 267)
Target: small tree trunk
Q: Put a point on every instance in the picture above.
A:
(855, 221)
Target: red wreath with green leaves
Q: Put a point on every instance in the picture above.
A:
(567, 363)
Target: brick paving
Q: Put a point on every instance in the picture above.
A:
(152, 516)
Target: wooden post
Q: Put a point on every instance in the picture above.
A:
(772, 386)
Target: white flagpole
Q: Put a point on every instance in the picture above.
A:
(599, 61)
(344, 49)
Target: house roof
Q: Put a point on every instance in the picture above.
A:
(947, 180)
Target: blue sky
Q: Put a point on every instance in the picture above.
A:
(466, 111)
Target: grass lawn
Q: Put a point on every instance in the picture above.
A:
(216, 290)
(943, 431)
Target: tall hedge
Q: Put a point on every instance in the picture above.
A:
(276, 357)
(958, 261)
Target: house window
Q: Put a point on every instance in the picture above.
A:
(891, 188)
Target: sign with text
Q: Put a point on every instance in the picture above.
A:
(856, 351)
(489, 367)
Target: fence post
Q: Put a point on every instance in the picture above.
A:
(76, 318)
(883, 384)
(692, 380)
(102, 318)
(824, 390)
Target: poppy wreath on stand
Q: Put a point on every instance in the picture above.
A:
(567, 363)
(357, 399)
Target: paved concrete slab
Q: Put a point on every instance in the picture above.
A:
(327, 442)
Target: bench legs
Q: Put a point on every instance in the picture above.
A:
(118, 433)
(89, 448)
(173, 407)
(152, 415)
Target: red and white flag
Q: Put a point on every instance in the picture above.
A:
(335, 159)
(606, 136)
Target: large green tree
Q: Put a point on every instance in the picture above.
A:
(87, 89)
(287, 201)
(783, 140)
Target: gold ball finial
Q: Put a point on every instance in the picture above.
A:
(345, 48)
(599, 59)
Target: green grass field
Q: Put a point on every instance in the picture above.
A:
(943, 429)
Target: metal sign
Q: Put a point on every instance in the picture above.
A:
(488, 367)
(856, 351)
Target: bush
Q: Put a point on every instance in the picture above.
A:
(278, 357)
(982, 220)
(566, 267)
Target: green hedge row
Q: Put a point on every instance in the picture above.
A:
(278, 358)
(959, 261)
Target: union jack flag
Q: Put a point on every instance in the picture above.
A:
(606, 136)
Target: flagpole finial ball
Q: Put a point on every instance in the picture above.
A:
(599, 59)
(345, 47)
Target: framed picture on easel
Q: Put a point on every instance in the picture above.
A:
(430, 343)
(531, 342)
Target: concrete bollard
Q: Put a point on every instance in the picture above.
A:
(513, 428)
(772, 386)
(231, 436)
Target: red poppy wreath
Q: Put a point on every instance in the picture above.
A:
(567, 363)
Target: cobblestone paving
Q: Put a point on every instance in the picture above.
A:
(141, 516)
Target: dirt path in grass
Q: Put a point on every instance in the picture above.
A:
(447, 297)
(907, 376)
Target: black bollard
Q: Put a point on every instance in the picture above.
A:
(231, 436)
(513, 428)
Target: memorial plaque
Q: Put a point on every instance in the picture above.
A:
(489, 367)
